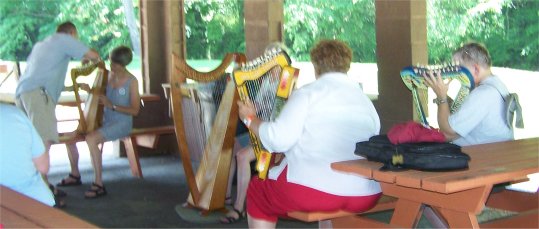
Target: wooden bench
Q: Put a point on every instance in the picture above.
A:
(20, 211)
(526, 205)
(384, 203)
(146, 137)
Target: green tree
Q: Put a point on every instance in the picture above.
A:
(100, 23)
(509, 29)
(214, 28)
(23, 24)
(307, 21)
(520, 37)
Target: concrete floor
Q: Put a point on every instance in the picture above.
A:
(150, 202)
(133, 202)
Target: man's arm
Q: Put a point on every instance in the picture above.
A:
(91, 56)
(443, 121)
(440, 88)
(42, 163)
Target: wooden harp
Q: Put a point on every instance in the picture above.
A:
(208, 187)
(91, 118)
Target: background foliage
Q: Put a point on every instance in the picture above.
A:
(101, 24)
(509, 28)
(213, 28)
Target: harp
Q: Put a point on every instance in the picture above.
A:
(267, 82)
(91, 117)
(412, 77)
(203, 131)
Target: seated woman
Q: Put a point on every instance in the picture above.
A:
(320, 124)
(244, 155)
(122, 102)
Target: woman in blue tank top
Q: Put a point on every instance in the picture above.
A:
(121, 102)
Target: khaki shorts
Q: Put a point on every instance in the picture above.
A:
(40, 109)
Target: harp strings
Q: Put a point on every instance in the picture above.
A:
(200, 108)
(262, 92)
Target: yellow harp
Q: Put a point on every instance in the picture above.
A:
(267, 82)
(91, 117)
(190, 91)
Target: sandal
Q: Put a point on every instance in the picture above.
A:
(231, 219)
(95, 191)
(59, 202)
(71, 180)
(57, 192)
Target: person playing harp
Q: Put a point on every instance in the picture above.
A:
(319, 124)
(482, 116)
(244, 153)
(121, 102)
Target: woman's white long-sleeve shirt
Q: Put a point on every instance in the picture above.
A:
(321, 124)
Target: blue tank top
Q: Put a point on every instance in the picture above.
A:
(120, 96)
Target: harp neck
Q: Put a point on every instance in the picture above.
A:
(91, 117)
(187, 72)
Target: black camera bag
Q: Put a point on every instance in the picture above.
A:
(427, 156)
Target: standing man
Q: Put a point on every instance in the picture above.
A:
(42, 82)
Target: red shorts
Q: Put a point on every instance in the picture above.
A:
(272, 199)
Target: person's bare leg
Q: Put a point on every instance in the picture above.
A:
(44, 176)
(259, 223)
(244, 158)
(73, 155)
(54, 190)
(243, 175)
(232, 170)
(93, 140)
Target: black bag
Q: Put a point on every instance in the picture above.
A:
(427, 156)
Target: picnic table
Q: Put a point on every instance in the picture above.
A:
(457, 196)
(20, 211)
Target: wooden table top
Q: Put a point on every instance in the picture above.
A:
(20, 211)
(490, 164)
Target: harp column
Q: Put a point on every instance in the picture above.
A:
(401, 40)
(263, 25)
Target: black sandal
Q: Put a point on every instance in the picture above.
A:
(58, 202)
(65, 182)
(231, 220)
(95, 193)
(57, 192)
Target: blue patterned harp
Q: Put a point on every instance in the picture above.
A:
(412, 76)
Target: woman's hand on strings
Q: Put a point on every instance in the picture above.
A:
(246, 109)
(105, 101)
(434, 80)
(247, 113)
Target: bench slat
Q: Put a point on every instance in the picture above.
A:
(146, 137)
(384, 203)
